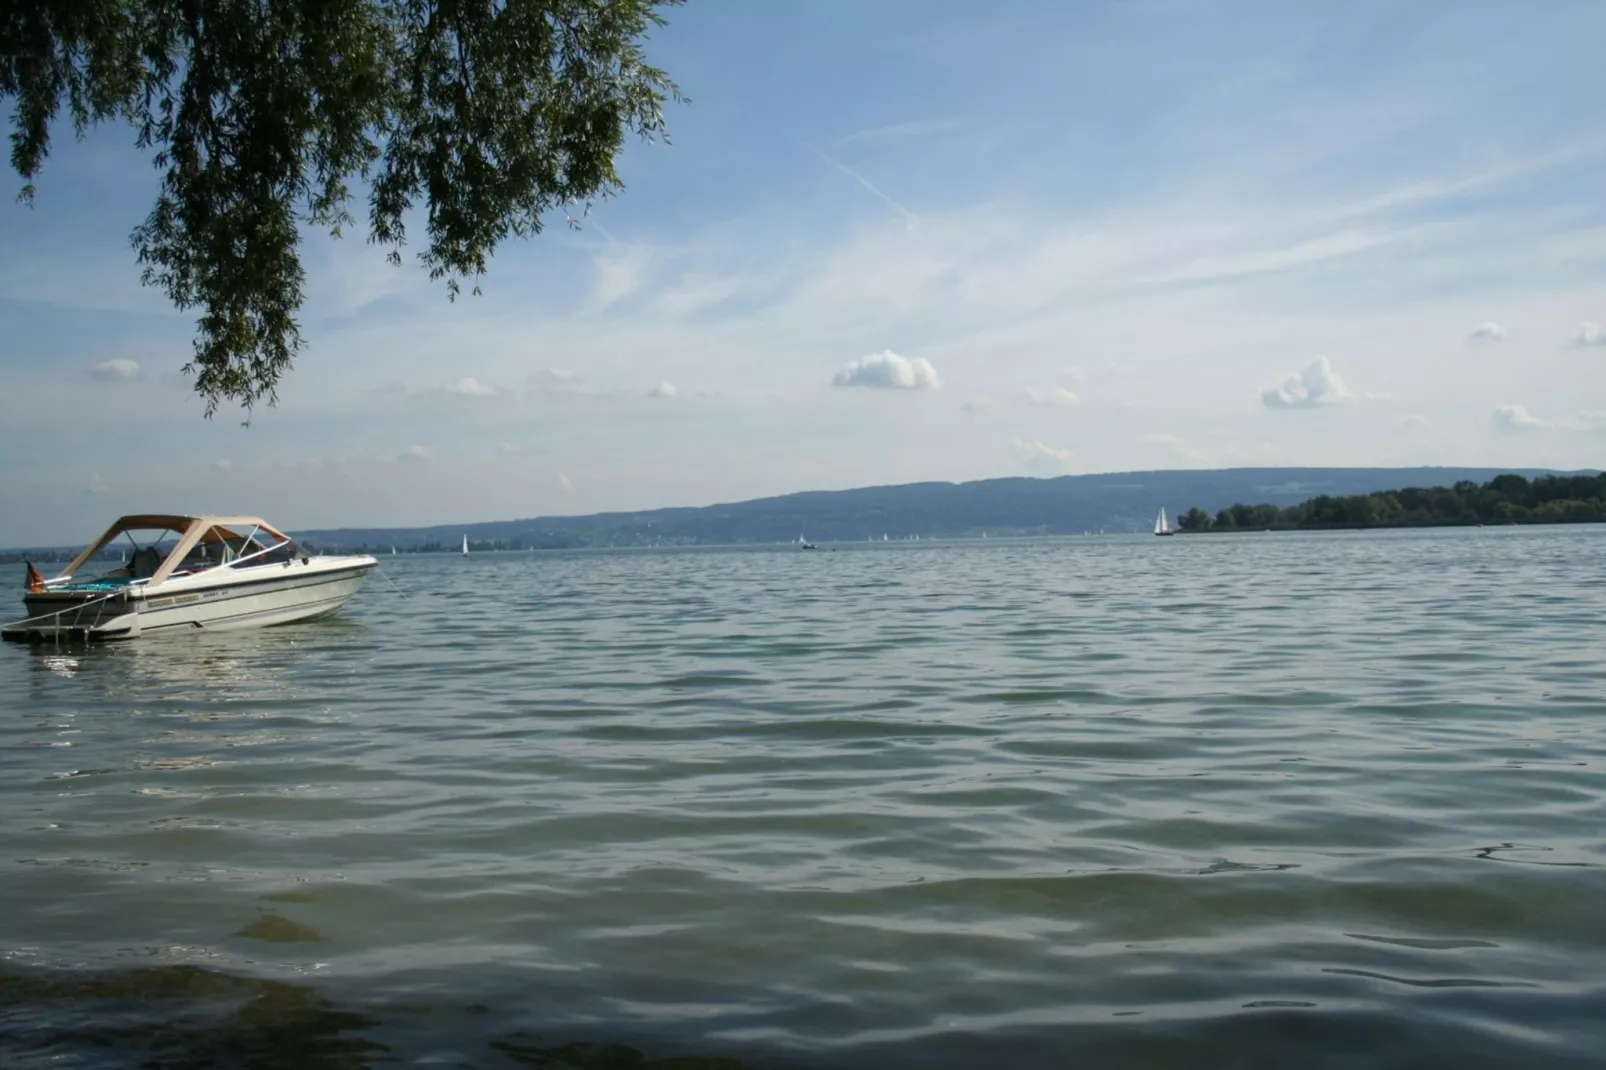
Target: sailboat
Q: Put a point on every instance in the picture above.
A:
(465, 545)
(804, 544)
(1161, 527)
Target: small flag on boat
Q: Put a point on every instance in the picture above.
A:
(36, 582)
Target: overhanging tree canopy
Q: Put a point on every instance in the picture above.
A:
(260, 113)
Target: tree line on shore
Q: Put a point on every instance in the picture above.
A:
(1505, 499)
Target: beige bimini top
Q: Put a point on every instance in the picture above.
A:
(232, 531)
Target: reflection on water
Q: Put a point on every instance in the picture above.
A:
(1325, 800)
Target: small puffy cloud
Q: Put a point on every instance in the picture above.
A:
(121, 368)
(663, 390)
(1515, 418)
(975, 406)
(97, 485)
(887, 371)
(564, 483)
(1057, 396)
(470, 387)
(512, 447)
(1412, 421)
(418, 453)
(223, 464)
(1589, 334)
(1037, 455)
(1313, 385)
(1487, 331)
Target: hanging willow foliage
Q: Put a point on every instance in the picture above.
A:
(260, 114)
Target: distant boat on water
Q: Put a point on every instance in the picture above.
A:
(1161, 525)
(465, 545)
(804, 544)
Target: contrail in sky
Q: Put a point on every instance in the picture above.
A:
(909, 217)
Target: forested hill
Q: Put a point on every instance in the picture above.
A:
(1506, 499)
(1112, 502)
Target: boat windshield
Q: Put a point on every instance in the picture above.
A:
(222, 546)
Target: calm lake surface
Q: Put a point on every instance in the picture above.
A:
(1254, 800)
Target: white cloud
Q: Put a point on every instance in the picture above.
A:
(223, 464)
(1514, 418)
(975, 406)
(1037, 455)
(1591, 421)
(888, 371)
(121, 368)
(1589, 334)
(1178, 448)
(1413, 421)
(1487, 331)
(1315, 384)
(1056, 396)
(469, 387)
(418, 453)
(564, 482)
(97, 485)
(663, 390)
(619, 273)
(512, 447)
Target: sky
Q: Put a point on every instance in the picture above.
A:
(894, 241)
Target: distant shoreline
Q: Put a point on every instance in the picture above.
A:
(1507, 500)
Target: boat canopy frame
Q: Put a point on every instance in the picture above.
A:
(192, 531)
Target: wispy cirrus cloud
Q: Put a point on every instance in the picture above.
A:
(1178, 448)
(1039, 455)
(1054, 397)
(617, 274)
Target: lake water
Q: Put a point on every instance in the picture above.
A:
(1253, 800)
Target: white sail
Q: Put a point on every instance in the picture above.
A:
(1160, 526)
(465, 545)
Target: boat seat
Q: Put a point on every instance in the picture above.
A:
(147, 559)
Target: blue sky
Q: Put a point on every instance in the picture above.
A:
(897, 241)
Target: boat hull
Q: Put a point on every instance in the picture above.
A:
(284, 596)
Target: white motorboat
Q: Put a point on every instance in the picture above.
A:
(187, 573)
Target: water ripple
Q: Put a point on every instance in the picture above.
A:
(1333, 800)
